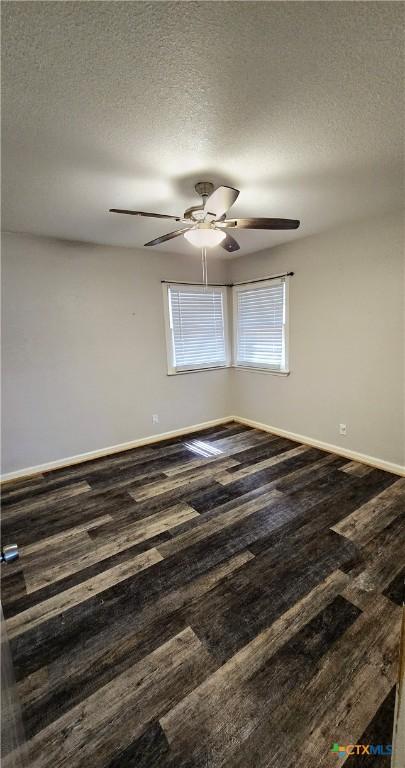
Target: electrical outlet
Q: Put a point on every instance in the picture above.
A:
(342, 429)
(155, 418)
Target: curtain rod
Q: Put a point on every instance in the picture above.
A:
(185, 282)
(262, 279)
(229, 285)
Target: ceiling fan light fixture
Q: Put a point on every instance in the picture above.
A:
(204, 236)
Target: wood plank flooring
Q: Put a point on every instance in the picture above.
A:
(229, 598)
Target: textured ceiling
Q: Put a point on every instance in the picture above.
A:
(128, 104)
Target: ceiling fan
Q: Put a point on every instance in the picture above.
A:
(207, 222)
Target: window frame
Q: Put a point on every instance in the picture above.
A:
(260, 367)
(171, 368)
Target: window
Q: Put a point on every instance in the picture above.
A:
(260, 325)
(196, 327)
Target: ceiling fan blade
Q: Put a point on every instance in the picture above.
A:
(260, 223)
(220, 201)
(229, 243)
(169, 236)
(143, 213)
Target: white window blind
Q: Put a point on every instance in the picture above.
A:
(260, 325)
(197, 332)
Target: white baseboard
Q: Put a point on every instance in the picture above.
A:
(387, 466)
(79, 458)
(372, 461)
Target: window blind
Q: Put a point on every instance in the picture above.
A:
(197, 327)
(260, 325)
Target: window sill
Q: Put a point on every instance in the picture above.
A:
(223, 367)
(199, 370)
(261, 370)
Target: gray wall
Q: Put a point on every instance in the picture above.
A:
(84, 355)
(346, 339)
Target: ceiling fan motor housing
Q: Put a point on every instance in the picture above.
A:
(204, 188)
(196, 212)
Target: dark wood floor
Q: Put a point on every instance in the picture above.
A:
(229, 598)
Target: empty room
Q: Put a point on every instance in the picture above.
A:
(203, 384)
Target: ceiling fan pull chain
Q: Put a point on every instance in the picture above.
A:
(204, 266)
